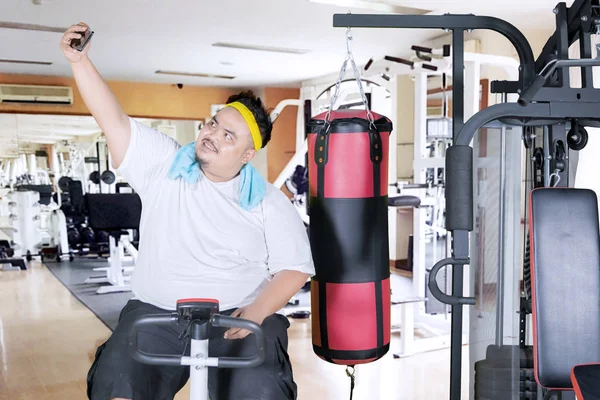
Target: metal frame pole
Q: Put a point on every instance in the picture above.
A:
(501, 230)
(420, 134)
(452, 22)
(199, 373)
(456, 325)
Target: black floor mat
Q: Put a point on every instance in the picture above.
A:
(108, 306)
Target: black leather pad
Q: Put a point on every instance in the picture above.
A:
(565, 278)
(76, 195)
(112, 212)
(586, 381)
(348, 238)
(404, 201)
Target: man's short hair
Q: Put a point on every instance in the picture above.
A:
(258, 109)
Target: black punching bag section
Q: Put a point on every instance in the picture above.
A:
(348, 181)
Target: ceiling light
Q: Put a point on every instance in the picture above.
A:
(197, 75)
(31, 27)
(375, 5)
(260, 48)
(25, 62)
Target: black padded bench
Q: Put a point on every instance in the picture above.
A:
(565, 282)
(45, 192)
(404, 201)
(115, 213)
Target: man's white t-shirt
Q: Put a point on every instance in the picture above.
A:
(195, 239)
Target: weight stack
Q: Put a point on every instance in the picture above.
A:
(348, 188)
(506, 374)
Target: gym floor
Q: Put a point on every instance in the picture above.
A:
(48, 340)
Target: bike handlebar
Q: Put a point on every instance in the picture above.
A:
(242, 362)
(147, 358)
(216, 321)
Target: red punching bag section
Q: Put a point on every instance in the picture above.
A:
(350, 292)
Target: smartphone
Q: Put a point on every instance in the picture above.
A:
(79, 44)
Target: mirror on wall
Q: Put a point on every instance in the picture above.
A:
(42, 149)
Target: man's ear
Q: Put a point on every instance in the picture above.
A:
(248, 155)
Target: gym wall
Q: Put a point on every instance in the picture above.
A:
(283, 139)
(138, 99)
(261, 160)
(165, 101)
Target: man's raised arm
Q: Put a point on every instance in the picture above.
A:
(97, 96)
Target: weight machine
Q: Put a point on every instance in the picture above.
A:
(35, 228)
(10, 252)
(427, 186)
(117, 214)
(547, 102)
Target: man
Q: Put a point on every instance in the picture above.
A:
(199, 239)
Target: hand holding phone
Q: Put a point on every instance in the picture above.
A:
(80, 43)
(75, 43)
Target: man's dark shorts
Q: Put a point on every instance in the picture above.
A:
(115, 374)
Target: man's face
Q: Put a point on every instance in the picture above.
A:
(224, 145)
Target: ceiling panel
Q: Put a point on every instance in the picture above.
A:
(135, 38)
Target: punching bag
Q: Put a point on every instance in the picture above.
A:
(348, 188)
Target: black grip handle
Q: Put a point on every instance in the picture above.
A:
(217, 321)
(421, 49)
(459, 188)
(435, 289)
(242, 362)
(531, 90)
(147, 358)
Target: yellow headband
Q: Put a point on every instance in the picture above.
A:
(249, 118)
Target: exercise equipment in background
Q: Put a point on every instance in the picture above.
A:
(123, 187)
(10, 252)
(297, 185)
(585, 381)
(107, 176)
(548, 98)
(81, 237)
(55, 238)
(565, 284)
(52, 236)
(348, 175)
(95, 177)
(45, 192)
(116, 214)
(7, 260)
(32, 229)
(98, 177)
(26, 222)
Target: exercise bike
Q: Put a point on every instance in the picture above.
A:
(201, 315)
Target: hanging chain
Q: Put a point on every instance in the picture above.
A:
(555, 175)
(597, 41)
(349, 57)
(351, 376)
(337, 84)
